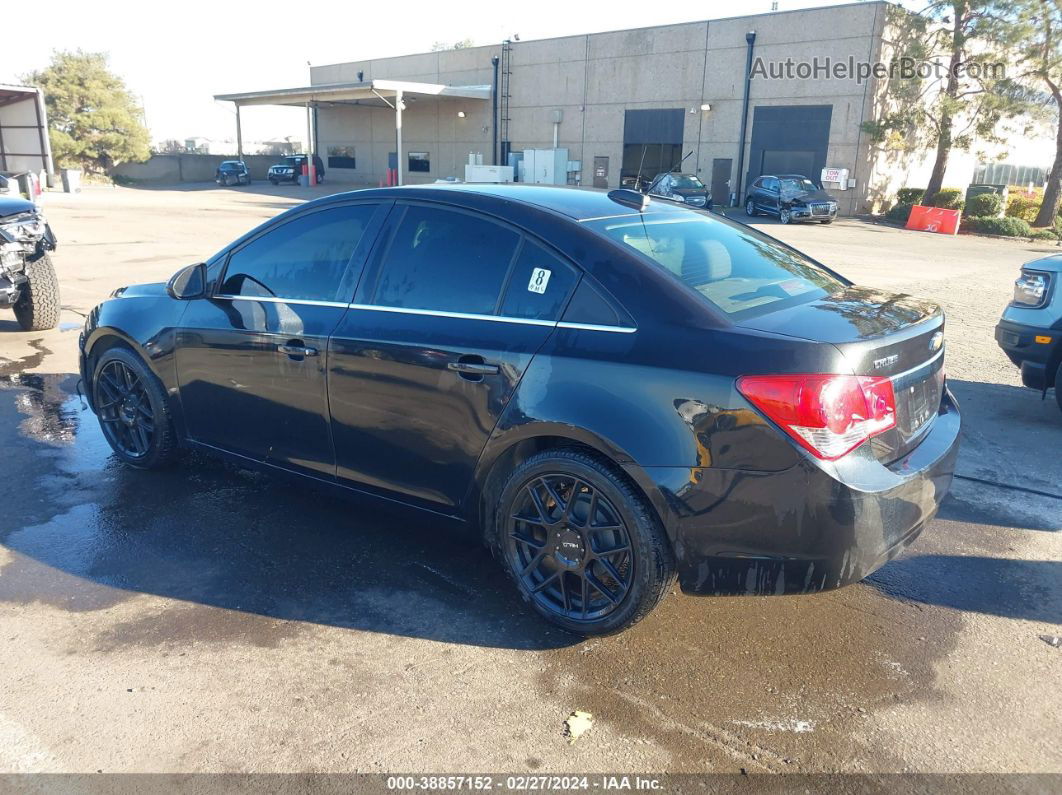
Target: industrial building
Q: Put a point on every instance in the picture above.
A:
(602, 108)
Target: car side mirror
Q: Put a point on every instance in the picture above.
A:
(188, 283)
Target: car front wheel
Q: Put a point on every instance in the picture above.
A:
(132, 409)
(784, 215)
(581, 544)
(37, 308)
(1058, 386)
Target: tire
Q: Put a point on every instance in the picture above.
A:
(124, 404)
(1058, 386)
(595, 582)
(784, 215)
(37, 308)
(750, 208)
(272, 182)
(827, 221)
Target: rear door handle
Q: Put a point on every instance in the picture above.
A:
(296, 350)
(473, 368)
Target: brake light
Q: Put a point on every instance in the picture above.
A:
(828, 415)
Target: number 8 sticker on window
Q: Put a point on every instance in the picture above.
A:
(539, 280)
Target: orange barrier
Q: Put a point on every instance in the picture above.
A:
(934, 219)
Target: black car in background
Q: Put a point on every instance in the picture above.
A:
(612, 390)
(290, 169)
(232, 172)
(791, 197)
(684, 187)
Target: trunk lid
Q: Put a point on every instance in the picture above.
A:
(879, 334)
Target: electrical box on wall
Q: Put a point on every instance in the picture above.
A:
(836, 178)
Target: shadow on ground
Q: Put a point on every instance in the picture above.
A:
(1026, 589)
(87, 533)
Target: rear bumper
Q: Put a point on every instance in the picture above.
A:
(808, 528)
(1018, 341)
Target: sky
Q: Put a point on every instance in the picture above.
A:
(176, 56)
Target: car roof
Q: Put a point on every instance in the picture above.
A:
(785, 176)
(577, 203)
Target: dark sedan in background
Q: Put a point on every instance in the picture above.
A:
(791, 197)
(614, 391)
(232, 172)
(684, 187)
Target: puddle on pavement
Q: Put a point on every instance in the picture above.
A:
(86, 533)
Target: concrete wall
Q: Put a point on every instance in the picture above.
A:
(593, 79)
(190, 168)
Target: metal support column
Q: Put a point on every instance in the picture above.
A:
(398, 134)
(239, 134)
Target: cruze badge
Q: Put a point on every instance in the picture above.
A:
(885, 362)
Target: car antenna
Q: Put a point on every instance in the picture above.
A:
(641, 164)
(658, 176)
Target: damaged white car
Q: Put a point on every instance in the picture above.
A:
(27, 278)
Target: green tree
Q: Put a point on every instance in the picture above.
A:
(94, 121)
(1040, 61)
(964, 93)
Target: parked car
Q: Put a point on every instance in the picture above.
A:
(612, 390)
(685, 187)
(791, 197)
(290, 169)
(232, 172)
(1030, 331)
(27, 277)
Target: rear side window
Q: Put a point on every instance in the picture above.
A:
(446, 261)
(538, 286)
(735, 268)
(303, 259)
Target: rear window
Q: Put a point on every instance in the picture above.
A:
(738, 270)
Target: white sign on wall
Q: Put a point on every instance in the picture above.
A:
(837, 176)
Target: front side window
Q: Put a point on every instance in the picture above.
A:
(738, 270)
(303, 259)
(771, 184)
(446, 261)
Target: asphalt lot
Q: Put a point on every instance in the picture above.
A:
(203, 619)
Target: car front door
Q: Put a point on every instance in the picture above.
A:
(446, 320)
(252, 358)
(770, 195)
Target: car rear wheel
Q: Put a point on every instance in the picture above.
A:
(750, 209)
(37, 307)
(784, 215)
(132, 409)
(581, 544)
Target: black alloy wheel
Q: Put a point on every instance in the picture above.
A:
(582, 546)
(132, 410)
(124, 410)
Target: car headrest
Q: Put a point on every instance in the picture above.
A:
(705, 261)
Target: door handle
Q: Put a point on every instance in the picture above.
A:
(296, 350)
(472, 368)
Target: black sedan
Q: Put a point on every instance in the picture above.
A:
(613, 391)
(232, 172)
(792, 198)
(683, 187)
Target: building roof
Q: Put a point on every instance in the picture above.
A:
(10, 94)
(366, 91)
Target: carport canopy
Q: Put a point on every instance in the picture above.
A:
(24, 143)
(371, 93)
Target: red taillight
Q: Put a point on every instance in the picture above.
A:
(829, 415)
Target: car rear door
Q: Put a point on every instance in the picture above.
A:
(252, 358)
(448, 316)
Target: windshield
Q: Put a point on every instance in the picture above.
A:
(231, 165)
(686, 181)
(738, 270)
(792, 185)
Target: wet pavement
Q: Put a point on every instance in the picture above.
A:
(207, 617)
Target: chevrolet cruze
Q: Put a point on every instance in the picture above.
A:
(614, 390)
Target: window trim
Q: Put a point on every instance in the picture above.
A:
(371, 229)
